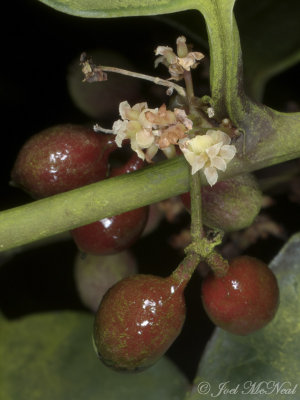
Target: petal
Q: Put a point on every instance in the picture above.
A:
(140, 106)
(186, 62)
(137, 149)
(198, 163)
(227, 152)
(160, 59)
(189, 156)
(119, 129)
(199, 143)
(211, 175)
(214, 150)
(144, 121)
(144, 138)
(123, 107)
(218, 136)
(161, 50)
(218, 163)
(196, 55)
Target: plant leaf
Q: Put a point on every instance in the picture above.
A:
(269, 355)
(117, 8)
(50, 356)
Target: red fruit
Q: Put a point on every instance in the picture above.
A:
(245, 299)
(113, 234)
(62, 158)
(138, 320)
(117, 233)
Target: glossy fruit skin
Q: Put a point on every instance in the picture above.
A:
(229, 205)
(62, 158)
(137, 321)
(94, 275)
(113, 234)
(245, 299)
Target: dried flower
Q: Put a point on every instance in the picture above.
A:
(210, 152)
(177, 64)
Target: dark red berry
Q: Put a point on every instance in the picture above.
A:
(245, 299)
(62, 158)
(113, 234)
(138, 320)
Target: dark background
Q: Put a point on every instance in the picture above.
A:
(38, 44)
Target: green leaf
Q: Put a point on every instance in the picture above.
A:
(50, 356)
(117, 8)
(269, 355)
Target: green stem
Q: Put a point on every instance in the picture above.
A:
(197, 232)
(78, 207)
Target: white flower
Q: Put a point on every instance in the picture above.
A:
(135, 127)
(210, 152)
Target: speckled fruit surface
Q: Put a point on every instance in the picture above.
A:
(62, 158)
(244, 300)
(137, 321)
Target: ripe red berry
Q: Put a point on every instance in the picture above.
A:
(245, 299)
(62, 158)
(113, 234)
(138, 320)
(117, 233)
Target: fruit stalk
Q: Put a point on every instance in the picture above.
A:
(185, 269)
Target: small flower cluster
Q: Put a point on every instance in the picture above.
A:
(150, 129)
(177, 64)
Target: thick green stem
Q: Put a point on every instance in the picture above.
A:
(47, 217)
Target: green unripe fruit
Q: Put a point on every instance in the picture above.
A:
(94, 275)
(230, 205)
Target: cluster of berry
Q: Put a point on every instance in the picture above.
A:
(141, 316)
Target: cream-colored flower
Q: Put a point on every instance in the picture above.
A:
(134, 127)
(210, 152)
(177, 64)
